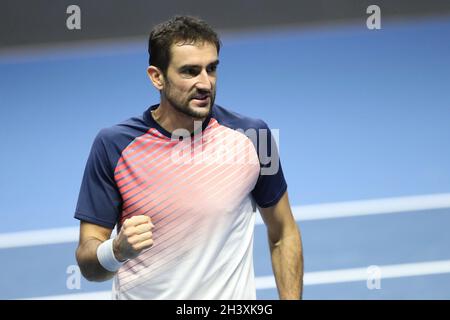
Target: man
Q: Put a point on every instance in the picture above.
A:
(181, 183)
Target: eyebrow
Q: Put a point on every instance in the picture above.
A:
(214, 63)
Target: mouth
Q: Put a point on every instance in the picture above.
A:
(201, 99)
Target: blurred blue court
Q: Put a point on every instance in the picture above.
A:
(362, 115)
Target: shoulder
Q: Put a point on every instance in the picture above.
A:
(121, 134)
(235, 120)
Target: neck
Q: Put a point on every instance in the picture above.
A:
(171, 119)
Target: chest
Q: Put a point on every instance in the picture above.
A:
(208, 175)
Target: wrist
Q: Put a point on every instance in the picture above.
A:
(116, 252)
(106, 256)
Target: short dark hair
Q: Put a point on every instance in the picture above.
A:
(179, 28)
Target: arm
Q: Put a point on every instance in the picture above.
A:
(91, 236)
(285, 248)
(134, 236)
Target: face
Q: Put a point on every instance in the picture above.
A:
(190, 82)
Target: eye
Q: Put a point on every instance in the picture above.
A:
(212, 68)
(192, 72)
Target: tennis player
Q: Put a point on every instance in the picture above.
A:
(181, 183)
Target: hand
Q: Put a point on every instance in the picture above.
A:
(134, 236)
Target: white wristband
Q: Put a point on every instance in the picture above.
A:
(105, 255)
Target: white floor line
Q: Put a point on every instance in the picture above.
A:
(301, 213)
(38, 237)
(311, 278)
(369, 207)
(362, 274)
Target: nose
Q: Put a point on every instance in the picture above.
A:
(204, 82)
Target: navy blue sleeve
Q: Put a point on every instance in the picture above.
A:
(271, 184)
(99, 200)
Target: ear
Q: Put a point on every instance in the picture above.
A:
(156, 77)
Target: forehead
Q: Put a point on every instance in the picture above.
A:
(199, 53)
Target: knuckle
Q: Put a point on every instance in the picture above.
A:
(134, 220)
(127, 233)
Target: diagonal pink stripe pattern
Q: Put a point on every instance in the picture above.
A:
(197, 194)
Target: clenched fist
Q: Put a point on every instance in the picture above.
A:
(134, 236)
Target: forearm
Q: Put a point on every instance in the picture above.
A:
(88, 262)
(287, 263)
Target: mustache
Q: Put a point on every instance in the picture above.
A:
(202, 94)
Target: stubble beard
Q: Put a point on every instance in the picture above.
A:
(184, 107)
